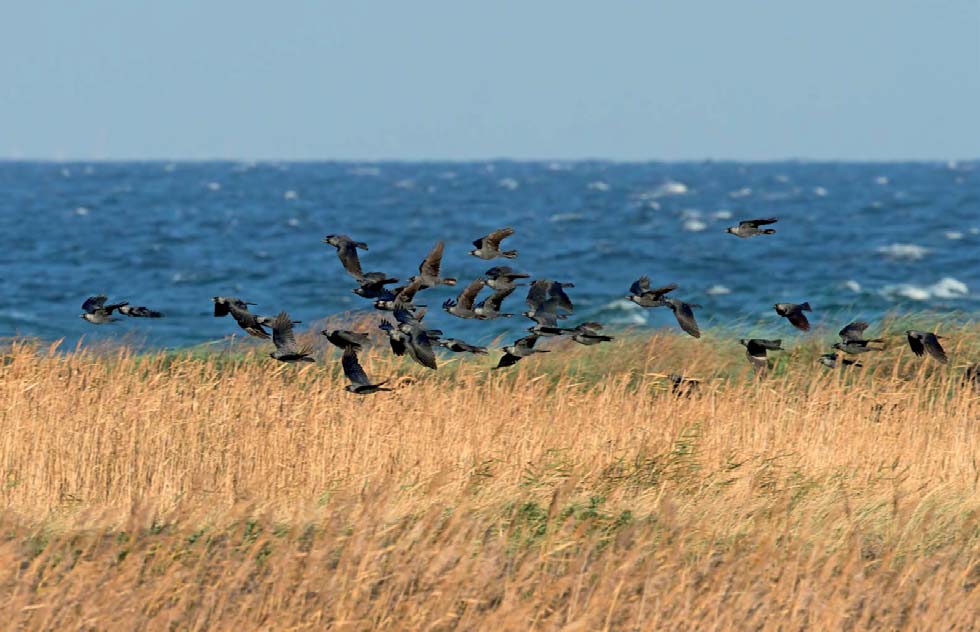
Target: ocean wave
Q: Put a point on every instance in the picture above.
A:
(717, 290)
(508, 183)
(623, 312)
(599, 185)
(910, 252)
(947, 287)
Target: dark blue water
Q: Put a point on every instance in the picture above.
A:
(853, 239)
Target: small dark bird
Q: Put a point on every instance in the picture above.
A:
(346, 339)
(458, 346)
(372, 285)
(588, 334)
(684, 314)
(489, 247)
(683, 386)
(545, 293)
(285, 341)
(926, 341)
(755, 351)
(396, 338)
(222, 305)
(402, 296)
(462, 306)
(830, 360)
(520, 349)
(489, 308)
(238, 309)
(415, 338)
(794, 314)
(429, 269)
(750, 228)
(139, 312)
(502, 277)
(852, 339)
(644, 296)
(359, 382)
(97, 312)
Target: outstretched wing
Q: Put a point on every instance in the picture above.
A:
(640, 286)
(798, 320)
(853, 331)
(498, 297)
(247, 321)
(352, 368)
(347, 251)
(935, 349)
(755, 223)
(685, 317)
(94, 303)
(917, 347)
(493, 239)
(468, 295)
(282, 332)
(431, 264)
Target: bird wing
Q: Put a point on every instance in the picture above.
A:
(798, 320)
(282, 332)
(685, 317)
(527, 342)
(468, 295)
(420, 348)
(94, 303)
(407, 293)
(493, 239)
(507, 360)
(660, 291)
(347, 251)
(558, 292)
(352, 368)
(935, 349)
(498, 297)
(221, 309)
(431, 264)
(917, 347)
(247, 321)
(590, 326)
(853, 331)
(640, 286)
(537, 294)
(755, 223)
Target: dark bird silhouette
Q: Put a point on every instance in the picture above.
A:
(644, 296)
(489, 308)
(359, 382)
(830, 360)
(346, 339)
(684, 313)
(588, 334)
(462, 306)
(794, 314)
(548, 295)
(285, 341)
(396, 338)
(755, 351)
(403, 297)
(372, 286)
(852, 339)
(369, 282)
(520, 349)
(222, 305)
(503, 278)
(248, 321)
(429, 269)
(413, 338)
(750, 228)
(458, 346)
(489, 247)
(683, 386)
(926, 342)
(139, 312)
(97, 312)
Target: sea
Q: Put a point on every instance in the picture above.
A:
(855, 240)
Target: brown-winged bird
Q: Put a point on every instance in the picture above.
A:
(429, 269)
(684, 313)
(793, 312)
(489, 247)
(462, 306)
(224, 305)
(97, 312)
(750, 227)
(926, 342)
(285, 341)
(520, 349)
(643, 295)
(359, 382)
(852, 339)
(346, 339)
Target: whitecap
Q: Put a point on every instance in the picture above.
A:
(508, 183)
(293, 221)
(910, 252)
(66, 172)
(406, 183)
(740, 193)
(214, 186)
(628, 313)
(599, 185)
(882, 180)
(819, 191)
(694, 225)
(852, 285)
(290, 195)
(953, 234)
(81, 211)
(670, 187)
(947, 287)
(364, 171)
(566, 217)
(722, 215)
(717, 290)
(975, 231)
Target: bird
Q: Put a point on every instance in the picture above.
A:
(489, 247)
(458, 346)
(402, 296)
(429, 269)
(412, 337)
(139, 312)
(346, 339)
(755, 351)
(683, 386)
(926, 341)
(97, 312)
(347, 252)
(794, 314)
(224, 305)
(372, 285)
(684, 314)
(396, 338)
(852, 339)
(644, 296)
(489, 308)
(285, 341)
(588, 334)
(521, 348)
(971, 377)
(544, 290)
(360, 384)
(462, 306)
(750, 227)
(830, 360)
(502, 277)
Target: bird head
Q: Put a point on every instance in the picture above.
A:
(744, 342)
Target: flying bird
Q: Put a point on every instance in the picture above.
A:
(462, 306)
(852, 339)
(750, 227)
(830, 360)
(794, 314)
(588, 334)
(97, 312)
(222, 305)
(139, 312)
(520, 349)
(458, 346)
(402, 297)
(238, 309)
(684, 313)
(489, 308)
(347, 252)
(643, 295)
(926, 342)
(285, 341)
(755, 351)
(489, 247)
(429, 269)
(549, 295)
(346, 339)
(360, 384)
(503, 277)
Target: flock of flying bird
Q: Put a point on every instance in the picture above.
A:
(547, 303)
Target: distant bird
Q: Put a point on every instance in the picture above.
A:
(684, 314)
(346, 339)
(502, 277)
(224, 305)
(644, 296)
(550, 295)
(489, 247)
(588, 334)
(462, 306)
(830, 360)
(520, 349)
(429, 269)
(755, 351)
(458, 346)
(794, 314)
(359, 382)
(750, 228)
(852, 339)
(402, 296)
(489, 308)
(97, 312)
(139, 312)
(285, 341)
(926, 341)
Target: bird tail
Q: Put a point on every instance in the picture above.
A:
(805, 307)
(449, 281)
(768, 231)
(510, 254)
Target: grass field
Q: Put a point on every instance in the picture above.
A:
(210, 491)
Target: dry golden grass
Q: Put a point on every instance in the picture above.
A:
(222, 491)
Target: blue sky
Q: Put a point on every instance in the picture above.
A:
(861, 79)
